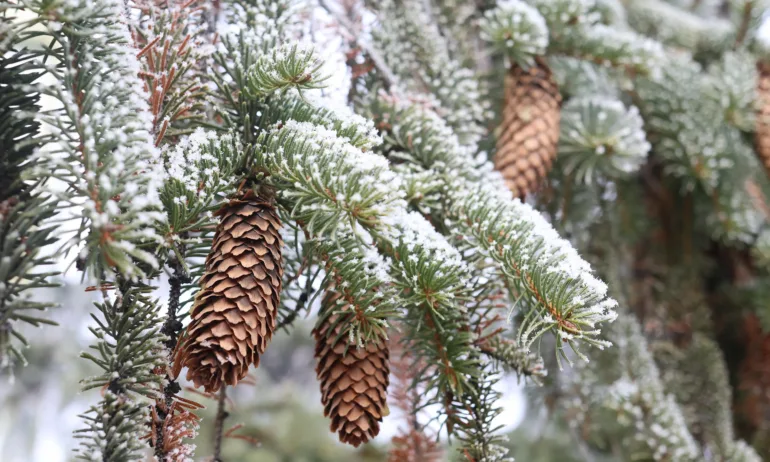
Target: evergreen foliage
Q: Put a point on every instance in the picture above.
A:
(23, 208)
(160, 113)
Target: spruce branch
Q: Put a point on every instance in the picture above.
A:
(113, 429)
(284, 67)
(414, 442)
(624, 385)
(699, 371)
(325, 179)
(199, 172)
(171, 48)
(692, 138)
(360, 278)
(374, 55)
(480, 439)
(600, 136)
(413, 47)
(128, 350)
(326, 183)
(23, 207)
(104, 152)
(515, 358)
(172, 326)
(563, 294)
(516, 29)
(127, 347)
(607, 45)
(433, 280)
(675, 26)
(171, 422)
(357, 130)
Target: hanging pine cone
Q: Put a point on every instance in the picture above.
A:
(234, 314)
(763, 116)
(354, 381)
(526, 146)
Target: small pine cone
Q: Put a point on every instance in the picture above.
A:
(526, 146)
(763, 116)
(234, 314)
(354, 381)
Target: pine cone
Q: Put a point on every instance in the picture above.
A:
(234, 314)
(526, 146)
(763, 116)
(354, 381)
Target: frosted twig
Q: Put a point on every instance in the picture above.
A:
(379, 62)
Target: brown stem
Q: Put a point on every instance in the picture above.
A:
(219, 425)
(745, 22)
(171, 329)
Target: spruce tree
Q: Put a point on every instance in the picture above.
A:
(571, 192)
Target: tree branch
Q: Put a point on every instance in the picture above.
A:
(219, 424)
(379, 62)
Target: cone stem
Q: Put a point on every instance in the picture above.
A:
(219, 424)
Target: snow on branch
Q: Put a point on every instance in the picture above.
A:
(612, 46)
(601, 134)
(558, 285)
(559, 14)
(516, 29)
(677, 26)
(361, 276)
(344, 197)
(565, 295)
(634, 398)
(414, 48)
(24, 209)
(200, 171)
(105, 153)
(286, 66)
(680, 108)
(433, 283)
(326, 179)
(359, 131)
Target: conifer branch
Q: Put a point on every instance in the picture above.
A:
(127, 351)
(374, 55)
(416, 51)
(567, 298)
(397, 210)
(515, 358)
(105, 153)
(413, 443)
(346, 184)
(282, 68)
(23, 207)
(171, 47)
(360, 278)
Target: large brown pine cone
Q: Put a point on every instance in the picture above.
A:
(529, 133)
(763, 116)
(234, 314)
(354, 381)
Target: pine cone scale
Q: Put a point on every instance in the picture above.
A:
(526, 145)
(234, 314)
(353, 380)
(763, 116)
